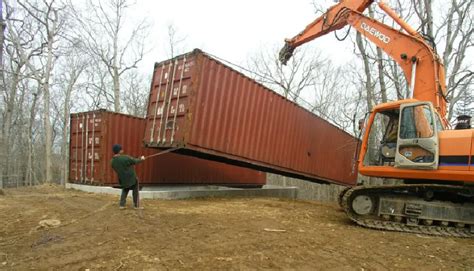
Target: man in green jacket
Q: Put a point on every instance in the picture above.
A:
(123, 166)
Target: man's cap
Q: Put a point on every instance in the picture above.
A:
(116, 148)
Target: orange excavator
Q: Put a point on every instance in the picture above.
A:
(408, 139)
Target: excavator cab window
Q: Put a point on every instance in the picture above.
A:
(417, 144)
(383, 139)
(417, 122)
(389, 142)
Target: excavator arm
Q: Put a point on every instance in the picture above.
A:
(422, 67)
(328, 22)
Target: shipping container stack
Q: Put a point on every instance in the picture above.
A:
(212, 111)
(93, 133)
(209, 110)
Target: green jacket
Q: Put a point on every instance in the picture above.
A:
(123, 166)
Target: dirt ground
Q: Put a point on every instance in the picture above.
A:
(205, 234)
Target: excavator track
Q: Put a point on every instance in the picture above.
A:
(412, 221)
(341, 196)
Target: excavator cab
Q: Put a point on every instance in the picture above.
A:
(404, 137)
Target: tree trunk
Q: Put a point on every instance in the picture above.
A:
(47, 118)
(48, 133)
(116, 79)
(20, 139)
(29, 165)
(429, 20)
(396, 80)
(3, 141)
(369, 91)
(368, 83)
(7, 122)
(116, 74)
(64, 147)
(383, 87)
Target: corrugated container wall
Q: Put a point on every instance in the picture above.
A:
(213, 111)
(93, 134)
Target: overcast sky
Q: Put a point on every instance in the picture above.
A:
(233, 30)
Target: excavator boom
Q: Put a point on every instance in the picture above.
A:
(421, 65)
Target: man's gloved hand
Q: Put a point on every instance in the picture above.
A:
(142, 157)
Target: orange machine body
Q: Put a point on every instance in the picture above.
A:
(425, 74)
(407, 139)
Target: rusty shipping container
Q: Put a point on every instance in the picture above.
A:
(211, 110)
(93, 134)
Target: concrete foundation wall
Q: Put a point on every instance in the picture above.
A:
(322, 192)
(307, 190)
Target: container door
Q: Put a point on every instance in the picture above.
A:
(82, 134)
(94, 147)
(85, 147)
(169, 102)
(75, 153)
(417, 144)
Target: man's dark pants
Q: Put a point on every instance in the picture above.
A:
(123, 197)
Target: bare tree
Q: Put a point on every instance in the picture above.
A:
(47, 15)
(2, 89)
(289, 80)
(44, 61)
(73, 66)
(175, 41)
(308, 79)
(30, 172)
(466, 104)
(457, 32)
(136, 94)
(117, 50)
(20, 49)
(334, 99)
(448, 28)
(97, 86)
